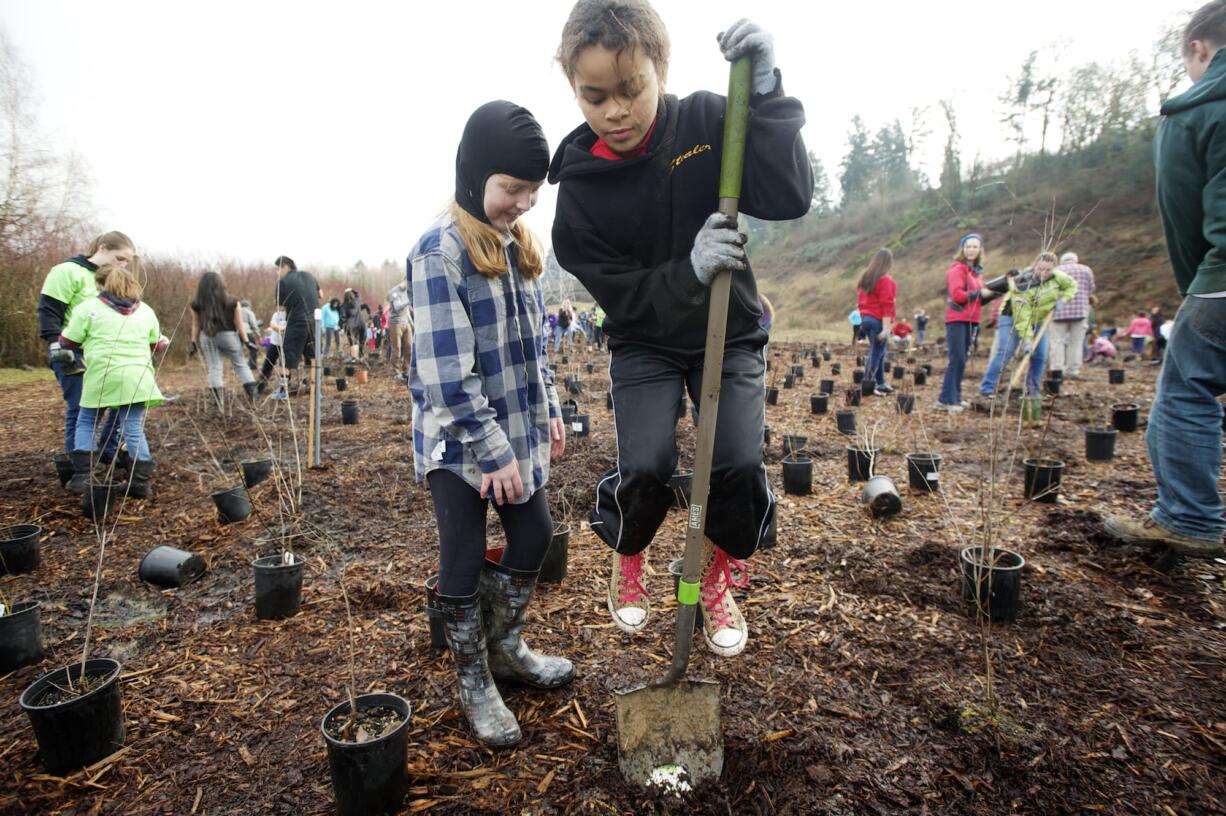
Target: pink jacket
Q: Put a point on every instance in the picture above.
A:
(1140, 327)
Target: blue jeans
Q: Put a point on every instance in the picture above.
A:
(875, 370)
(919, 336)
(1006, 347)
(70, 388)
(1185, 423)
(131, 422)
(958, 344)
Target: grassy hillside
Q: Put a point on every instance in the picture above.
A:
(809, 268)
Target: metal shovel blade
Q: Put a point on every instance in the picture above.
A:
(672, 725)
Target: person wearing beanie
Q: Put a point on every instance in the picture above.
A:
(963, 286)
(638, 183)
(486, 417)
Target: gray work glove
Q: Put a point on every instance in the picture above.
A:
(744, 38)
(882, 335)
(58, 354)
(718, 247)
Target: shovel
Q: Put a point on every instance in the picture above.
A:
(668, 732)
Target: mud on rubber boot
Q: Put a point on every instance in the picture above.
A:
(723, 627)
(627, 596)
(140, 485)
(1148, 531)
(488, 716)
(505, 597)
(81, 471)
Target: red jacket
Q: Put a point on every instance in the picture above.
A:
(878, 303)
(960, 283)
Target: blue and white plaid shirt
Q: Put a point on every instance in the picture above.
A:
(482, 387)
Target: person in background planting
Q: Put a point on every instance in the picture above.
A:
(1139, 331)
(220, 333)
(298, 292)
(1185, 423)
(563, 329)
(902, 335)
(1030, 296)
(854, 319)
(921, 326)
(634, 223)
(486, 418)
(876, 293)
(252, 324)
(963, 285)
(1071, 319)
(331, 320)
(1101, 348)
(598, 326)
(67, 285)
(118, 335)
(400, 328)
(354, 325)
(1156, 321)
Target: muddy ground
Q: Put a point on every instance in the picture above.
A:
(862, 690)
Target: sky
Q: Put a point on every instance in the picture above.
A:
(327, 131)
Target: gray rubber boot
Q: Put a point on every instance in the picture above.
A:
(252, 389)
(491, 721)
(81, 467)
(140, 486)
(219, 398)
(505, 597)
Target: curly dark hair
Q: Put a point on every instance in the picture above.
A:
(618, 25)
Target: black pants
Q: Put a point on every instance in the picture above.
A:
(633, 498)
(271, 355)
(298, 344)
(460, 513)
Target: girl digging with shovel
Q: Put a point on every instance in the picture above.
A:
(635, 223)
(486, 419)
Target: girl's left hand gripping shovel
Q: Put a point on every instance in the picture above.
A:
(673, 724)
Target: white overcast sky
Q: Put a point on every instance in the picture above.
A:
(327, 131)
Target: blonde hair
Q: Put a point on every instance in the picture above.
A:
(120, 282)
(485, 247)
(109, 240)
(1047, 257)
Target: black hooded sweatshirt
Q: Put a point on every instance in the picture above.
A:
(625, 228)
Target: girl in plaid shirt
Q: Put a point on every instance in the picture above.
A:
(486, 419)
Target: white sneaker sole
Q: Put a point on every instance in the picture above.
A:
(622, 625)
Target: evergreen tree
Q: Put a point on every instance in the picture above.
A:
(858, 166)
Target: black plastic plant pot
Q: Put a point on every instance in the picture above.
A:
(351, 371)
(772, 396)
(675, 569)
(826, 386)
(21, 636)
(904, 403)
(826, 356)
(256, 471)
(992, 585)
(63, 467)
(1056, 374)
(19, 548)
(591, 368)
(886, 368)
(327, 371)
(553, 568)
(859, 359)
(79, 731)
(1041, 479)
(1100, 444)
(575, 388)
(100, 498)
(793, 444)
(369, 778)
(798, 371)
(580, 425)
(923, 471)
(170, 567)
(233, 504)
(921, 377)
(565, 360)
(836, 368)
(899, 372)
(278, 587)
(857, 376)
(1115, 376)
(789, 380)
(818, 403)
(1125, 416)
(341, 383)
(860, 462)
(797, 475)
(881, 498)
(817, 361)
(845, 421)
(854, 395)
(349, 412)
(1052, 387)
(682, 485)
(927, 368)
(868, 387)
(434, 614)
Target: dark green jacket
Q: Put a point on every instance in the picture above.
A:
(1190, 152)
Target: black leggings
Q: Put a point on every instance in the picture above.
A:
(460, 512)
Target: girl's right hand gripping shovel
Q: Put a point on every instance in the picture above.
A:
(670, 729)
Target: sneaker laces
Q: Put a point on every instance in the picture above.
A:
(630, 587)
(716, 582)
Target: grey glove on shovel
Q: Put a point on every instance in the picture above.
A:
(717, 247)
(744, 38)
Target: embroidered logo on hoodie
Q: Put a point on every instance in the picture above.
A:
(689, 154)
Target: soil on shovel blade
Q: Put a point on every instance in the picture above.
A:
(862, 689)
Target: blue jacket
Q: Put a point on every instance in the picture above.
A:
(331, 317)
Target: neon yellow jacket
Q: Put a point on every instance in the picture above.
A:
(1032, 306)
